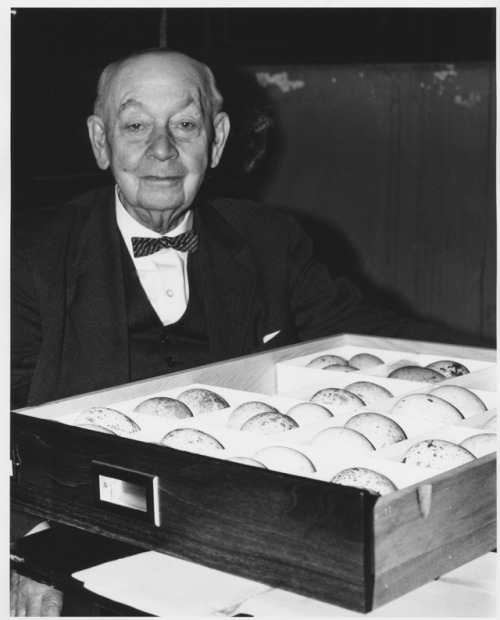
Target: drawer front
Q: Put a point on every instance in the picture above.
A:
(290, 532)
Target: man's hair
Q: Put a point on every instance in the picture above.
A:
(214, 99)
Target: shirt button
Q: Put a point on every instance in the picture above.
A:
(164, 339)
(170, 292)
(170, 362)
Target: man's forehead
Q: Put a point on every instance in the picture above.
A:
(159, 70)
(138, 79)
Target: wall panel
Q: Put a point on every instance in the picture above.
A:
(393, 169)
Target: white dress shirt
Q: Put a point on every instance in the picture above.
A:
(163, 275)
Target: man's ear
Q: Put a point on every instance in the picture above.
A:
(221, 132)
(97, 137)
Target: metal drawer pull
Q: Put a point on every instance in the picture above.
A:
(126, 492)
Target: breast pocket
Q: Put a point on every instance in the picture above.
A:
(277, 338)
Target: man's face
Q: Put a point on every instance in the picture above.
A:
(159, 138)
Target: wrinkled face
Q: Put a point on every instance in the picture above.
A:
(157, 134)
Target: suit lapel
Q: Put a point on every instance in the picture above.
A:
(98, 331)
(228, 283)
(100, 326)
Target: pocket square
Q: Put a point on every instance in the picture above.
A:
(270, 336)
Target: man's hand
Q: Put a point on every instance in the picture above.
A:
(30, 598)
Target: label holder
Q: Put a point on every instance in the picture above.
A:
(125, 492)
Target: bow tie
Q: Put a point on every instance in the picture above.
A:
(144, 246)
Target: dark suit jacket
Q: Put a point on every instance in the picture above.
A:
(69, 328)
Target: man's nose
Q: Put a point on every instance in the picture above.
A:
(162, 145)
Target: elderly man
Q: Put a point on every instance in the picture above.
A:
(99, 296)
(149, 276)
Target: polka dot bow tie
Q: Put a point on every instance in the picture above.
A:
(144, 246)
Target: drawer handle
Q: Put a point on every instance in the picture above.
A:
(126, 492)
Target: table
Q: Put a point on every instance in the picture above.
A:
(54, 555)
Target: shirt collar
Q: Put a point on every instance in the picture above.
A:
(130, 227)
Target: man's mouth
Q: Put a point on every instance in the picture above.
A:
(160, 178)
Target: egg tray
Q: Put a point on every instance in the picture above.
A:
(246, 444)
(335, 543)
(292, 373)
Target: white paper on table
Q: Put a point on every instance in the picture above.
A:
(162, 585)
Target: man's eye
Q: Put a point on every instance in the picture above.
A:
(186, 128)
(135, 126)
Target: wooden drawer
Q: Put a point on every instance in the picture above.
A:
(338, 544)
